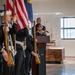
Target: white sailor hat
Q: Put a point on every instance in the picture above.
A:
(8, 12)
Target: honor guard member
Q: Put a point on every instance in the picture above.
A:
(29, 52)
(19, 58)
(11, 29)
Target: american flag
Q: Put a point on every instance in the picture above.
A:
(20, 10)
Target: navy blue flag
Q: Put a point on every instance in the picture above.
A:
(28, 4)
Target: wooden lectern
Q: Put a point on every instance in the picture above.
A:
(40, 69)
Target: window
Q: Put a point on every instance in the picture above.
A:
(68, 28)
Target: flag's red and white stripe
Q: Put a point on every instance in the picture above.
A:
(20, 11)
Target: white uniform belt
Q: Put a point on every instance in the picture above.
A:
(20, 43)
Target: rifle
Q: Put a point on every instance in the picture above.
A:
(37, 60)
(10, 61)
(13, 13)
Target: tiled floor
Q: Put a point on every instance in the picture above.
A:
(67, 68)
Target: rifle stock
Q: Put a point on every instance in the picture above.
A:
(10, 61)
(37, 60)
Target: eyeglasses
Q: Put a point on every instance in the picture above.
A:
(40, 26)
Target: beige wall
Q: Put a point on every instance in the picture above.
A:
(69, 47)
(2, 2)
